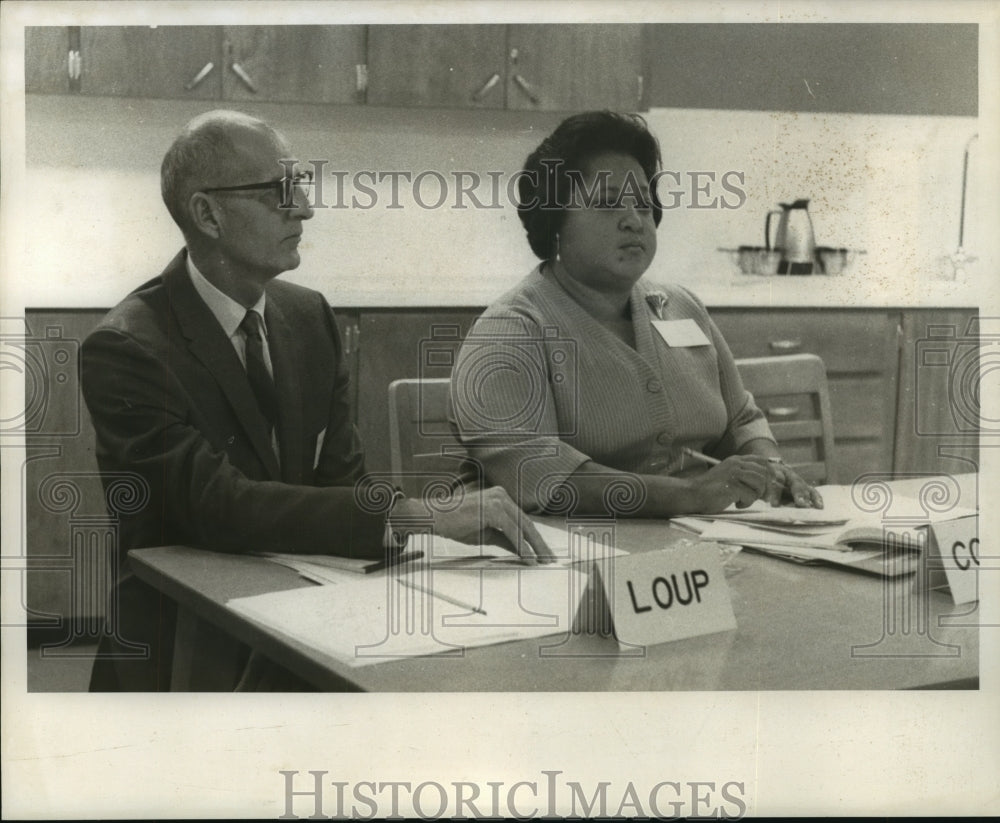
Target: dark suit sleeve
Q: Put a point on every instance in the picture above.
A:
(143, 418)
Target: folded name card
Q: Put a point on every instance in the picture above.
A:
(953, 559)
(677, 592)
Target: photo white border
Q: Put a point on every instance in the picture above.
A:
(175, 755)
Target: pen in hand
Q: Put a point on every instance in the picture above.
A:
(697, 455)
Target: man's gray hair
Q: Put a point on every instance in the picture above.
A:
(200, 155)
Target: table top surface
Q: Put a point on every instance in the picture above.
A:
(798, 627)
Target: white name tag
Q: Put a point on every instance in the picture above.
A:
(681, 334)
(666, 595)
(953, 558)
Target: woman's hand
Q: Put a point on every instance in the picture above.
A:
(784, 485)
(740, 479)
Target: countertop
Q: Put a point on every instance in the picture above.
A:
(717, 290)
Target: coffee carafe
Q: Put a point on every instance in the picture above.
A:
(793, 238)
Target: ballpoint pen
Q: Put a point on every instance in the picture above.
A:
(447, 598)
(697, 455)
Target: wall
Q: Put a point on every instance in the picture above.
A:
(889, 184)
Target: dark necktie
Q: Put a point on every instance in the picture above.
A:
(260, 379)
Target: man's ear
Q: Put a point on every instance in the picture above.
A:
(206, 218)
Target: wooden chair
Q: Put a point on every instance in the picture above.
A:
(792, 391)
(421, 441)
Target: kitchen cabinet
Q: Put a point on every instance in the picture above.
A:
(518, 67)
(316, 64)
(860, 350)
(869, 68)
(68, 537)
(151, 61)
(294, 64)
(576, 67)
(47, 64)
(942, 359)
(446, 66)
(350, 334)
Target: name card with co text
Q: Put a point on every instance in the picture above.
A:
(666, 595)
(953, 559)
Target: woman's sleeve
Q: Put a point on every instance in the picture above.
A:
(505, 413)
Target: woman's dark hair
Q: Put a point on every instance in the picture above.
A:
(545, 184)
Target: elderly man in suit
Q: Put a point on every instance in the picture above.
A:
(225, 391)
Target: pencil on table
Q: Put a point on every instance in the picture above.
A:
(441, 595)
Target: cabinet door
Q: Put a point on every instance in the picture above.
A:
(860, 351)
(69, 536)
(942, 363)
(448, 66)
(347, 325)
(398, 344)
(294, 64)
(575, 67)
(151, 61)
(46, 52)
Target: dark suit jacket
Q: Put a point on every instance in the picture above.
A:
(171, 402)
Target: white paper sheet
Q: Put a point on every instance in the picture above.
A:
(375, 618)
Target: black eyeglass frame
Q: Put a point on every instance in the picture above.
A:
(285, 186)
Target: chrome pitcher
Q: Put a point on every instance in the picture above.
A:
(793, 238)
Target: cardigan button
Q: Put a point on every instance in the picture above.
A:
(664, 438)
(654, 386)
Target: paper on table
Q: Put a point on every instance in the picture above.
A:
(377, 619)
(870, 560)
(838, 538)
(444, 552)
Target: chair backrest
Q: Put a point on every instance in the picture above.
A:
(792, 391)
(421, 441)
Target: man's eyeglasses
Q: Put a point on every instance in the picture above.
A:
(284, 186)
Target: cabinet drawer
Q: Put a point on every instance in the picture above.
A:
(859, 406)
(848, 341)
(858, 457)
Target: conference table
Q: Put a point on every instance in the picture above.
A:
(797, 627)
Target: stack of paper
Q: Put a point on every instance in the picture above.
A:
(840, 533)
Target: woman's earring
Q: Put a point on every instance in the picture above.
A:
(558, 258)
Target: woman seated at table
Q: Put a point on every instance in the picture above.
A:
(585, 388)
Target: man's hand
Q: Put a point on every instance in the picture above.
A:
(492, 508)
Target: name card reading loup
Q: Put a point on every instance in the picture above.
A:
(953, 558)
(678, 592)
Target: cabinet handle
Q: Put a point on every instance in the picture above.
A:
(781, 412)
(526, 87)
(196, 80)
(785, 345)
(361, 77)
(639, 89)
(239, 71)
(74, 64)
(489, 84)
